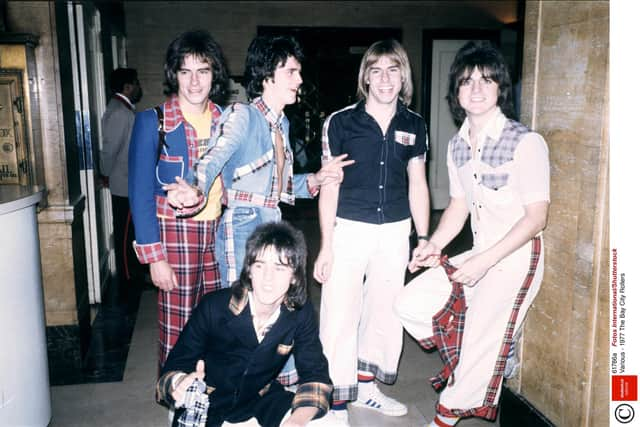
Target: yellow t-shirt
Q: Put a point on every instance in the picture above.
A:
(202, 124)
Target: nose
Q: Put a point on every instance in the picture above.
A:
(194, 78)
(475, 86)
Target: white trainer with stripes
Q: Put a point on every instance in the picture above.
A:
(370, 397)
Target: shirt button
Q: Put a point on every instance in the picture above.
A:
(381, 186)
(382, 163)
(379, 209)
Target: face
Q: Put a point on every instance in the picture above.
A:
(135, 91)
(477, 95)
(385, 81)
(194, 83)
(270, 278)
(283, 88)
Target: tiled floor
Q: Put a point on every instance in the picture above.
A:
(130, 402)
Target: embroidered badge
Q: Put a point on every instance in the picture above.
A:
(405, 138)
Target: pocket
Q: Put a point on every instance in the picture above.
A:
(494, 181)
(168, 168)
(243, 216)
(404, 138)
(284, 349)
(496, 190)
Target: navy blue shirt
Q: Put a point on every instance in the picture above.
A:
(375, 187)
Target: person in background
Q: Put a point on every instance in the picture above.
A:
(165, 143)
(365, 223)
(498, 174)
(117, 123)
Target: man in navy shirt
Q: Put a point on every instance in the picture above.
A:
(365, 223)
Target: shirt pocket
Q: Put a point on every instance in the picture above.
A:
(496, 189)
(168, 168)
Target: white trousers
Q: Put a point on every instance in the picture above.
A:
(489, 306)
(358, 328)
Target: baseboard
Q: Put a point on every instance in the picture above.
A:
(516, 411)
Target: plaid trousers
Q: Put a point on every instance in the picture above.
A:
(496, 306)
(190, 247)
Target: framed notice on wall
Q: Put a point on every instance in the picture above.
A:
(236, 91)
(13, 165)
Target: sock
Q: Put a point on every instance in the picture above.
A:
(365, 377)
(442, 421)
(339, 405)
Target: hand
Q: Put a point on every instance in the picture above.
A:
(183, 384)
(163, 276)
(300, 417)
(180, 194)
(426, 254)
(323, 265)
(472, 270)
(331, 172)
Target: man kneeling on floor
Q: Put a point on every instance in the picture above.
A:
(223, 369)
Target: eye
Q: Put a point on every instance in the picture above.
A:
(465, 82)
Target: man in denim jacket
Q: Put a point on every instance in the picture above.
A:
(251, 151)
(165, 143)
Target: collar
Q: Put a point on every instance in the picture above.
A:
(123, 98)
(238, 303)
(173, 114)
(492, 129)
(252, 305)
(400, 107)
(275, 120)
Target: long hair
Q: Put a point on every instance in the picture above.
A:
(290, 246)
(491, 63)
(200, 44)
(264, 55)
(395, 52)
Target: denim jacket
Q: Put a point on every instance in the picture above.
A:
(242, 149)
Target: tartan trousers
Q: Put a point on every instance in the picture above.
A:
(496, 307)
(190, 248)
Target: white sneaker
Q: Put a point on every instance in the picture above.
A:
(370, 397)
(332, 419)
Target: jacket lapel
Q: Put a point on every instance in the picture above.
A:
(240, 323)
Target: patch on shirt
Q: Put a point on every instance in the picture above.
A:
(497, 153)
(495, 181)
(460, 151)
(405, 138)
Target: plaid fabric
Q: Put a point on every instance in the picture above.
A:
(189, 248)
(373, 369)
(496, 153)
(489, 408)
(196, 402)
(173, 118)
(312, 394)
(448, 327)
(494, 180)
(275, 124)
(149, 253)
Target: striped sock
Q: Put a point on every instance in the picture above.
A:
(339, 405)
(442, 421)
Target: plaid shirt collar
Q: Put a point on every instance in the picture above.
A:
(492, 129)
(173, 114)
(274, 120)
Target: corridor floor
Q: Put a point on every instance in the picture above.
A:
(130, 402)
